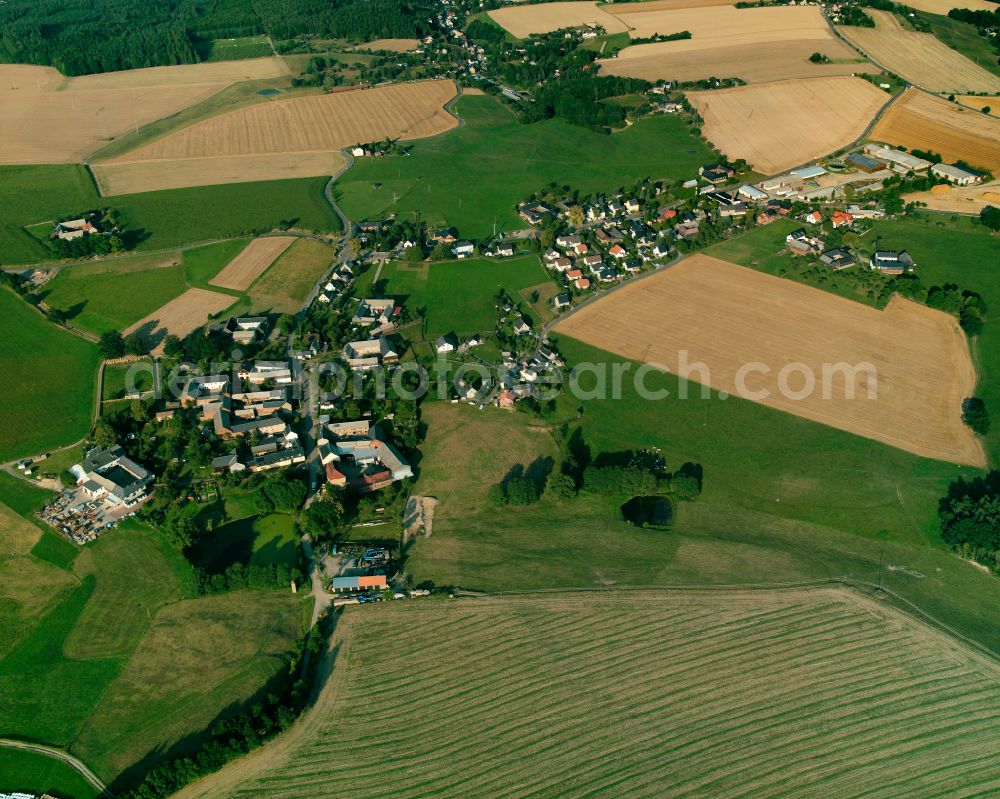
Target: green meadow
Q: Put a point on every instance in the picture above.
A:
(473, 177)
(51, 374)
(113, 293)
(457, 296)
(103, 654)
(29, 772)
(36, 194)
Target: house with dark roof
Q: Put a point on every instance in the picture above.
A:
(890, 262)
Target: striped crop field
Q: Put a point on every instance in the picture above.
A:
(804, 693)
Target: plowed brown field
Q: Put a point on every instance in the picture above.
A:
(311, 124)
(932, 123)
(776, 126)
(728, 316)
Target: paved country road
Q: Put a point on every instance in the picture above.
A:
(58, 754)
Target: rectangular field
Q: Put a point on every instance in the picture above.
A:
(755, 44)
(799, 694)
(139, 176)
(181, 315)
(252, 262)
(776, 126)
(48, 119)
(286, 284)
(311, 124)
(921, 121)
(920, 58)
(762, 337)
(522, 21)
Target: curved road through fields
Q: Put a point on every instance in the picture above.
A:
(58, 754)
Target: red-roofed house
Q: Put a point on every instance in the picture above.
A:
(582, 283)
(335, 477)
(507, 399)
(617, 251)
(814, 217)
(841, 218)
(574, 274)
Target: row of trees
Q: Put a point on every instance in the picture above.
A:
(236, 736)
(241, 575)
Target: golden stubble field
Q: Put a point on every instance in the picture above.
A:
(311, 124)
(725, 694)
(926, 122)
(776, 126)
(49, 119)
(727, 316)
(920, 58)
(252, 262)
(139, 176)
(181, 315)
(522, 21)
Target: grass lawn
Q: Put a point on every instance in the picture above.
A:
(474, 176)
(458, 295)
(29, 772)
(159, 219)
(116, 375)
(51, 375)
(255, 539)
(233, 49)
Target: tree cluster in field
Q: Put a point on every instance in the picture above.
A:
(855, 16)
(113, 344)
(990, 217)
(661, 37)
(819, 58)
(240, 575)
(976, 416)
(970, 518)
(286, 697)
(84, 36)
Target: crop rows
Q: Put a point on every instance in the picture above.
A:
(797, 694)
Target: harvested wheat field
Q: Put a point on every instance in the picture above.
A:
(252, 262)
(311, 124)
(799, 694)
(922, 121)
(181, 315)
(920, 58)
(47, 119)
(727, 316)
(776, 126)
(522, 21)
(980, 102)
(130, 177)
(390, 45)
(755, 44)
(958, 200)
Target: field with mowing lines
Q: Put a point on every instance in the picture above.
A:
(981, 103)
(921, 121)
(919, 58)
(251, 263)
(522, 21)
(311, 124)
(727, 316)
(725, 694)
(138, 176)
(776, 126)
(181, 315)
(49, 119)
